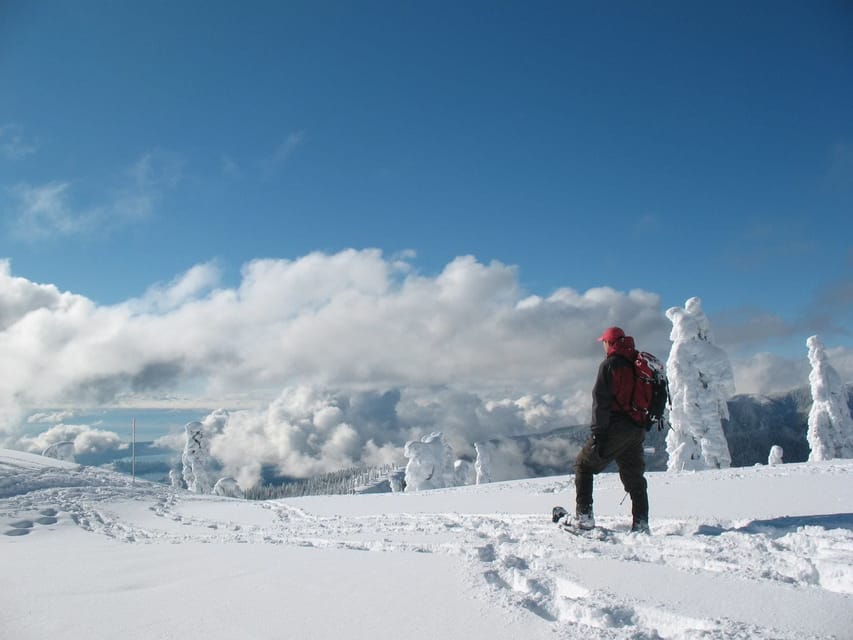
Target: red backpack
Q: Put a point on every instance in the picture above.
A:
(651, 391)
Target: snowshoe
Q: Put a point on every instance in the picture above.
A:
(558, 513)
(581, 521)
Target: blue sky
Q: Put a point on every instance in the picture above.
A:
(681, 148)
(545, 135)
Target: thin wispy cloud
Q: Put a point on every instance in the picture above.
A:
(764, 242)
(746, 327)
(50, 210)
(832, 310)
(229, 167)
(13, 144)
(44, 211)
(282, 154)
(647, 223)
(157, 170)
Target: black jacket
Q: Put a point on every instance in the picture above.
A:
(613, 388)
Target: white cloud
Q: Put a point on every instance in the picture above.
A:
(191, 285)
(85, 439)
(49, 210)
(53, 417)
(349, 322)
(157, 170)
(309, 429)
(19, 297)
(44, 211)
(282, 154)
(229, 167)
(768, 373)
(13, 144)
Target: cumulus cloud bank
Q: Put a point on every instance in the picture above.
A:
(349, 320)
(84, 438)
(369, 353)
(309, 430)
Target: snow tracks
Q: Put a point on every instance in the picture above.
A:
(695, 577)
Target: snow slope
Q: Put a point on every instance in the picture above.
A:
(761, 552)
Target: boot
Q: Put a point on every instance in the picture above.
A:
(640, 526)
(583, 520)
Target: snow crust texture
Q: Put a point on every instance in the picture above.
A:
(764, 552)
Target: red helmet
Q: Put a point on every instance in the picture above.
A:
(611, 334)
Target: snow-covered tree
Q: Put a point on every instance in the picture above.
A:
(700, 382)
(830, 433)
(397, 481)
(502, 459)
(175, 479)
(60, 450)
(483, 463)
(775, 457)
(464, 473)
(430, 463)
(228, 487)
(196, 458)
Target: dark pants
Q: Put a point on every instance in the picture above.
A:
(624, 444)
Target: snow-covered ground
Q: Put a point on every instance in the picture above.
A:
(763, 552)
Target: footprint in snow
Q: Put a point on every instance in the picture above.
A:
(23, 527)
(20, 528)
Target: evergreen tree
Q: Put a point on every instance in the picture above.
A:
(196, 459)
(830, 433)
(430, 463)
(700, 382)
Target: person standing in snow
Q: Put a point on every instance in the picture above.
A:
(614, 435)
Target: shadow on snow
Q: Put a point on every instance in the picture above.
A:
(777, 527)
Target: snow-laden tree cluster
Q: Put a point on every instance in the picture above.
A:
(430, 463)
(196, 459)
(499, 460)
(830, 432)
(700, 383)
(352, 480)
(228, 488)
(464, 473)
(775, 456)
(199, 468)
